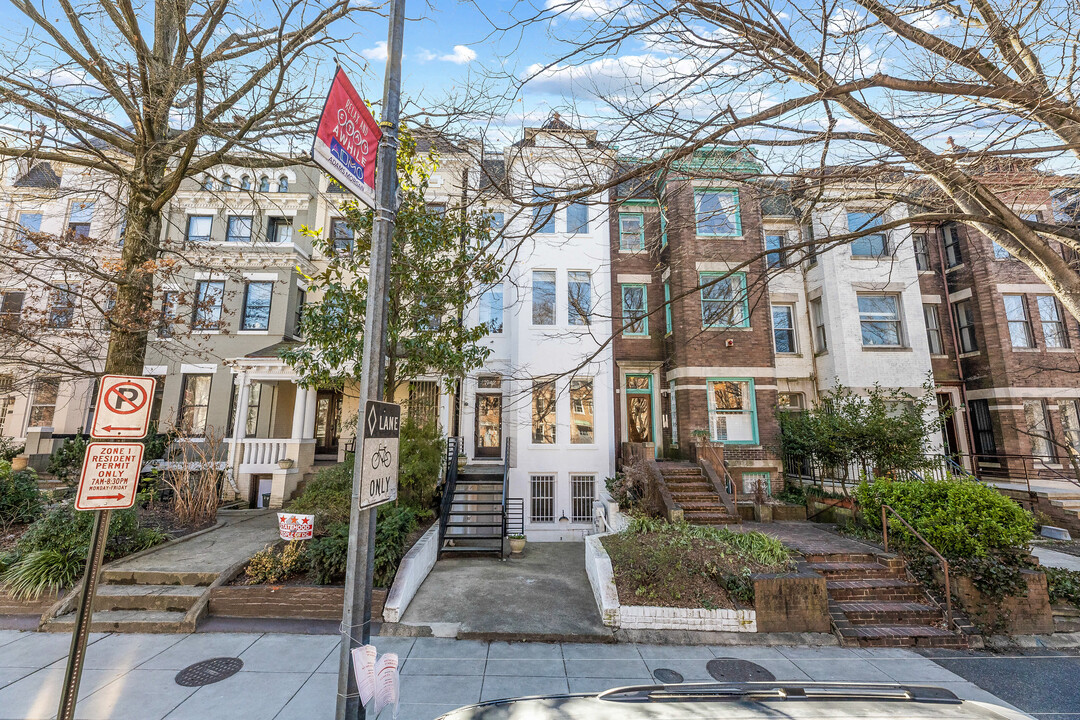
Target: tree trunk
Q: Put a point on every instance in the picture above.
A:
(133, 313)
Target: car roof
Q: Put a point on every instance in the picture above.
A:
(742, 701)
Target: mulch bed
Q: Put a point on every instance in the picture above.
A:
(11, 536)
(649, 571)
(161, 516)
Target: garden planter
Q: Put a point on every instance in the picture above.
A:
(763, 513)
(285, 463)
(517, 545)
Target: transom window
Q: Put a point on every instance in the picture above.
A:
(879, 317)
(871, 244)
(631, 231)
(723, 300)
(257, 299)
(635, 306)
(732, 411)
(717, 213)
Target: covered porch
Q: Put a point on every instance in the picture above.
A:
(279, 431)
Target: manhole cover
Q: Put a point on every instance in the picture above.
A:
(209, 671)
(735, 670)
(666, 676)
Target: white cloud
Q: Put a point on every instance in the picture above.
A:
(462, 55)
(932, 21)
(376, 53)
(584, 9)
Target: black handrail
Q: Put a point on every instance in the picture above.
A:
(453, 447)
(505, 486)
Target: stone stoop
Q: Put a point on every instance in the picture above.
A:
(692, 490)
(151, 602)
(874, 603)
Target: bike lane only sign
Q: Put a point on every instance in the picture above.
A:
(379, 461)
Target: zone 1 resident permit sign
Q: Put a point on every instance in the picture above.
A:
(110, 476)
(379, 460)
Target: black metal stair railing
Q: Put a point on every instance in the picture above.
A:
(453, 448)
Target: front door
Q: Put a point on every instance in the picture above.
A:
(639, 409)
(488, 425)
(327, 421)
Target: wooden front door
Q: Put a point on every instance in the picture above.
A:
(488, 425)
(327, 421)
(639, 409)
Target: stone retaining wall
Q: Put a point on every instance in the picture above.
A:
(1028, 614)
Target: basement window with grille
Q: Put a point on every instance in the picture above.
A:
(542, 507)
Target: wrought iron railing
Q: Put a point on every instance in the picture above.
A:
(453, 447)
(505, 489)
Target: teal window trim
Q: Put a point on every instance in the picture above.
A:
(644, 309)
(704, 277)
(667, 308)
(657, 446)
(752, 411)
(738, 211)
(663, 229)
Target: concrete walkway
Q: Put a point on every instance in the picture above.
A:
(1053, 558)
(242, 535)
(808, 538)
(543, 593)
(132, 677)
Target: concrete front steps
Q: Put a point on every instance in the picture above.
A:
(873, 603)
(695, 494)
(144, 603)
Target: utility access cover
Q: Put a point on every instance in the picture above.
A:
(209, 671)
(736, 670)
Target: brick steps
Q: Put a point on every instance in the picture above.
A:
(873, 603)
(691, 490)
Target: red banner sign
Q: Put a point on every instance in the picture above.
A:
(347, 139)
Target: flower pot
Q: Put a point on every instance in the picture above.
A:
(517, 545)
(285, 463)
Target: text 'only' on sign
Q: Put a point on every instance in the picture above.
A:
(379, 461)
(110, 476)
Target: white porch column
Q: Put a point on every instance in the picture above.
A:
(299, 408)
(309, 414)
(240, 426)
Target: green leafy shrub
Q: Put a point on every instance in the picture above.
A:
(64, 535)
(20, 499)
(43, 571)
(961, 518)
(272, 565)
(328, 496)
(423, 450)
(392, 529)
(9, 450)
(1064, 585)
(328, 555)
(792, 494)
(67, 460)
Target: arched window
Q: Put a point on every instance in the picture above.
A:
(226, 183)
(245, 183)
(264, 184)
(283, 184)
(208, 183)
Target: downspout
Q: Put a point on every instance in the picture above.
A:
(969, 432)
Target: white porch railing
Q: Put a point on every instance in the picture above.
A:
(262, 454)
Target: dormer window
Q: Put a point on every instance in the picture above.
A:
(264, 184)
(283, 184)
(245, 183)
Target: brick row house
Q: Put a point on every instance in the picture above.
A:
(724, 302)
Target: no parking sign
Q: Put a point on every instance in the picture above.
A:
(123, 407)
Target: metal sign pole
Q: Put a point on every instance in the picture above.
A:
(73, 673)
(356, 615)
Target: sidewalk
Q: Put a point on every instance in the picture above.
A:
(131, 677)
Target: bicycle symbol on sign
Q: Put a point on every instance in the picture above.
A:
(381, 457)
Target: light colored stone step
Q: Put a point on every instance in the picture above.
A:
(131, 621)
(176, 598)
